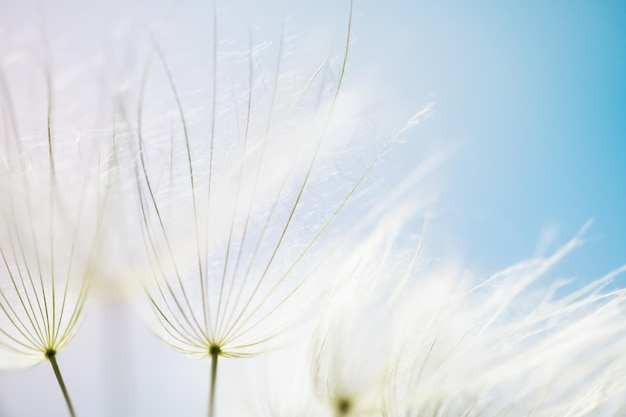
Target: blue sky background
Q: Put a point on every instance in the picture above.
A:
(536, 94)
(532, 93)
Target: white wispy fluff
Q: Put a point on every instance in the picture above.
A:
(509, 345)
(47, 241)
(403, 336)
(239, 188)
(234, 197)
(52, 203)
(50, 217)
(356, 342)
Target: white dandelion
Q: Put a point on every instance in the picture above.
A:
(51, 207)
(234, 202)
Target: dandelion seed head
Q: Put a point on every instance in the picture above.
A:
(53, 197)
(236, 187)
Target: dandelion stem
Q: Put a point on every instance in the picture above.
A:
(51, 355)
(215, 352)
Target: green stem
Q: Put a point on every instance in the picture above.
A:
(215, 353)
(51, 355)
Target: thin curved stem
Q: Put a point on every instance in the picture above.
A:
(51, 355)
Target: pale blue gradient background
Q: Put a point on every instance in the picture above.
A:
(532, 95)
(536, 93)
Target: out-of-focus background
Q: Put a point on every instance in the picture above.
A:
(529, 96)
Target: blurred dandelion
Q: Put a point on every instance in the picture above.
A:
(505, 345)
(403, 336)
